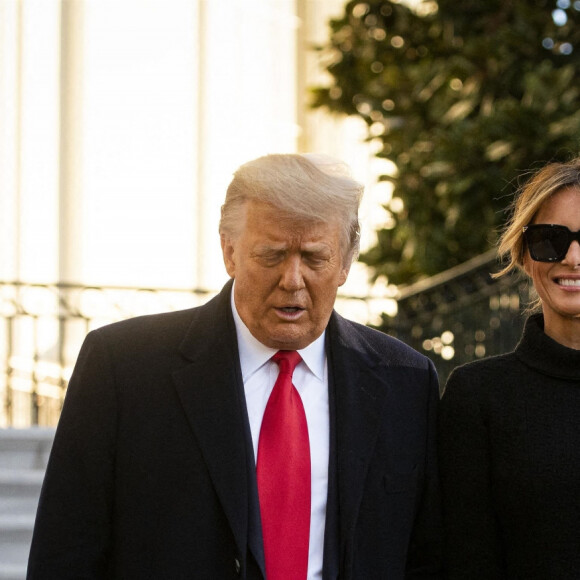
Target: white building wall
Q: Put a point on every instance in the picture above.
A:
(123, 120)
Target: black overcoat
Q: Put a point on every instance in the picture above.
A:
(151, 474)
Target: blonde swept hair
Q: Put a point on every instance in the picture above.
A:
(308, 188)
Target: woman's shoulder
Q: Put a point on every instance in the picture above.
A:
(496, 363)
(480, 377)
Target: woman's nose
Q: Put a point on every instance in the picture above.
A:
(572, 257)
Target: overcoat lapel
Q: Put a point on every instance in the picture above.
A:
(360, 395)
(210, 392)
(209, 389)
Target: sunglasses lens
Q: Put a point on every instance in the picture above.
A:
(547, 243)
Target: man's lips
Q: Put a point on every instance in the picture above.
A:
(290, 312)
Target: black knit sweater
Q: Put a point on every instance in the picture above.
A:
(509, 446)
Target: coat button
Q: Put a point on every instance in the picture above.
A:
(237, 565)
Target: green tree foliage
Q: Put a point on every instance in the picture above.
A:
(463, 99)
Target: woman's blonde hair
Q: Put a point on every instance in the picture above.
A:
(528, 201)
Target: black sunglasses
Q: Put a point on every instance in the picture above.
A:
(549, 242)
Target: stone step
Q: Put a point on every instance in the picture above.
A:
(12, 571)
(25, 448)
(15, 537)
(20, 490)
(23, 458)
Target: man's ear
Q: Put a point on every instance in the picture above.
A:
(228, 254)
(343, 274)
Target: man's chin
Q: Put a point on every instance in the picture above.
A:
(288, 339)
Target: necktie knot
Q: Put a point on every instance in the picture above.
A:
(287, 360)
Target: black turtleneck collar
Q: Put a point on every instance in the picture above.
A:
(542, 353)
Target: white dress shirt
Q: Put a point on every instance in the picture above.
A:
(310, 378)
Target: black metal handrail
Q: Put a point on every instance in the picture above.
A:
(462, 314)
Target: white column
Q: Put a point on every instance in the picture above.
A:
(38, 140)
(10, 120)
(71, 194)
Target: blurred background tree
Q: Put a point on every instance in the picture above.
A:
(463, 97)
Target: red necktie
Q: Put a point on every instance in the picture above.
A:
(283, 472)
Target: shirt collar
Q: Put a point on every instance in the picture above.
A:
(254, 354)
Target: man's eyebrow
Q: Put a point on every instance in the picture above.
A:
(264, 248)
(315, 247)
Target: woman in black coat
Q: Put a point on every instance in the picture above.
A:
(510, 425)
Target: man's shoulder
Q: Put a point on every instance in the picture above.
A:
(162, 322)
(366, 339)
(165, 327)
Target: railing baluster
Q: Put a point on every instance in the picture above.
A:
(9, 370)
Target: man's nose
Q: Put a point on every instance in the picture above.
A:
(291, 277)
